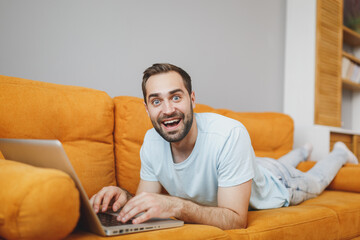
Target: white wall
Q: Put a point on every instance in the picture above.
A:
(233, 49)
(299, 90)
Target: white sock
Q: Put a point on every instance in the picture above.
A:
(308, 149)
(351, 157)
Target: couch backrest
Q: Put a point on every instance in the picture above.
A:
(82, 119)
(271, 135)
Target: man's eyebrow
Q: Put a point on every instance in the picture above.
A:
(171, 92)
(153, 95)
(176, 90)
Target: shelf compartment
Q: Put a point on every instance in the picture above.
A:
(352, 141)
(351, 37)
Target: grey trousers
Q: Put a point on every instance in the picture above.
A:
(305, 185)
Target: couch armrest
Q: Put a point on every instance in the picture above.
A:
(36, 203)
(347, 178)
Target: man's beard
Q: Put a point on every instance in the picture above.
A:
(179, 134)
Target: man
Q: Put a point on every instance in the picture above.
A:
(207, 164)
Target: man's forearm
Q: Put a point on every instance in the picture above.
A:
(223, 218)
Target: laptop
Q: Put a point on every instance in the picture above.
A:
(50, 154)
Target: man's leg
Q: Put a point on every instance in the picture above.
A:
(303, 186)
(296, 156)
(326, 169)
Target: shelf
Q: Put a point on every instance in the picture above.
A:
(351, 37)
(351, 57)
(347, 84)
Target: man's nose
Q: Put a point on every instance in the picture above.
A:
(168, 108)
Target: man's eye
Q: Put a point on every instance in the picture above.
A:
(176, 98)
(156, 102)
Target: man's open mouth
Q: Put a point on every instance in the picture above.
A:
(171, 123)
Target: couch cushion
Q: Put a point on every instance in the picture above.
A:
(82, 119)
(36, 203)
(299, 222)
(271, 135)
(346, 205)
(131, 124)
(188, 231)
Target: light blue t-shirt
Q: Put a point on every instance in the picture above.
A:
(222, 157)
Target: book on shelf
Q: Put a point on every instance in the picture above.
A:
(356, 74)
(345, 67)
(350, 70)
(356, 52)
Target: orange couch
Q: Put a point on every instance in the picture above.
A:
(102, 137)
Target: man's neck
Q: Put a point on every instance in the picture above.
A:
(181, 150)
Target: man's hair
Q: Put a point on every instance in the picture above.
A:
(158, 68)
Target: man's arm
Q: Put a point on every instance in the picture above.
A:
(148, 186)
(231, 212)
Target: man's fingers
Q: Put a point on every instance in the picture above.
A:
(142, 218)
(92, 200)
(134, 206)
(95, 201)
(120, 201)
(130, 214)
(149, 204)
(106, 200)
(110, 195)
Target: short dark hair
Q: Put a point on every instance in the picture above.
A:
(158, 68)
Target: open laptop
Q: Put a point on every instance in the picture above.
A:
(50, 154)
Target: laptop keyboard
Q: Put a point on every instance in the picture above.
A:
(109, 220)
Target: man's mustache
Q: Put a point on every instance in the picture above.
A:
(173, 115)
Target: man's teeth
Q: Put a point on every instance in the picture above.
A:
(171, 121)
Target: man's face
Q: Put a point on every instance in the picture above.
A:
(169, 105)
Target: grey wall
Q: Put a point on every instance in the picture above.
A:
(233, 49)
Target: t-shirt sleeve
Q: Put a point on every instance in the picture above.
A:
(146, 171)
(235, 163)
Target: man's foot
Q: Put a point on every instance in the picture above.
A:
(308, 149)
(351, 157)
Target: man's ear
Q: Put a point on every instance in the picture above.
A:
(146, 108)
(192, 96)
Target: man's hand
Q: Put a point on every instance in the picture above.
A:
(231, 212)
(152, 204)
(105, 195)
